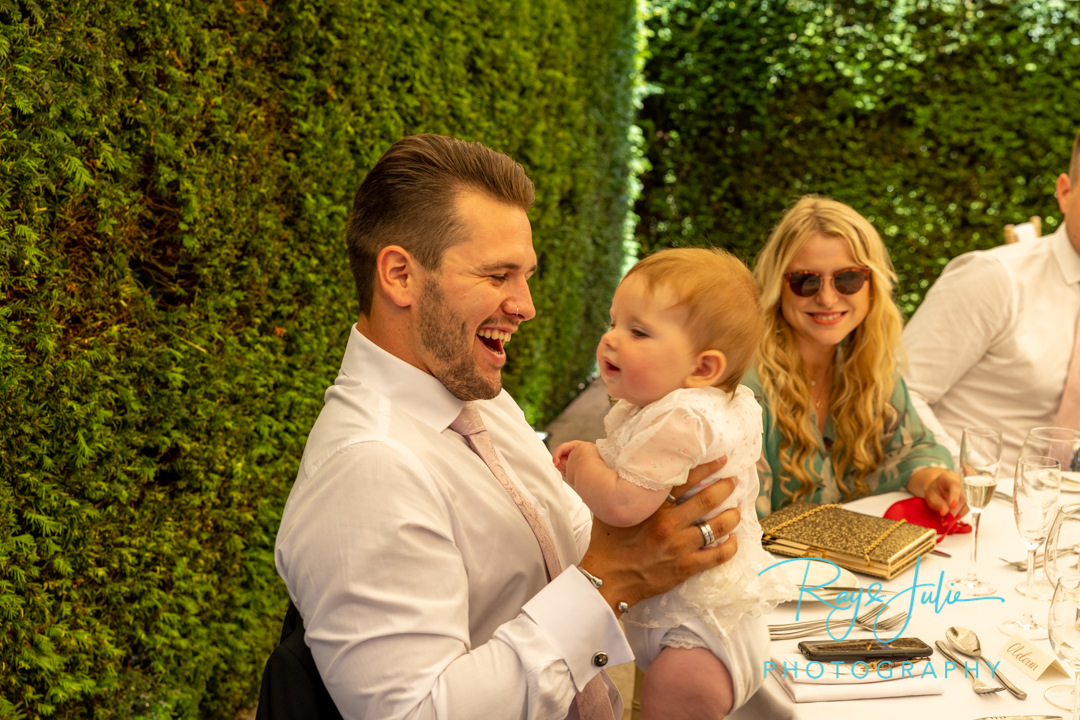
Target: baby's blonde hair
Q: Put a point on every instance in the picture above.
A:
(721, 300)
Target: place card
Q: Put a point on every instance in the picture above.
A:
(1028, 658)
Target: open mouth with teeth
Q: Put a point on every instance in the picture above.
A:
(827, 318)
(494, 340)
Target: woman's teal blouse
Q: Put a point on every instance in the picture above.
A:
(908, 444)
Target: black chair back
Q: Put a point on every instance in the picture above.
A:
(292, 688)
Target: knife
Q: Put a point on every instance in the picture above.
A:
(1022, 564)
(847, 589)
(944, 650)
(1021, 717)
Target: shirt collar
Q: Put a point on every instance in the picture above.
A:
(418, 393)
(1067, 257)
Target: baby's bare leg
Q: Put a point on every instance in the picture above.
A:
(689, 683)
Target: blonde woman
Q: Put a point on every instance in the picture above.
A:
(838, 421)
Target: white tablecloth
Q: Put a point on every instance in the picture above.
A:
(997, 538)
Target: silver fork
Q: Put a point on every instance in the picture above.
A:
(884, 624)
(889, 623)
(980, 686)
(789, 631)
(865, 617)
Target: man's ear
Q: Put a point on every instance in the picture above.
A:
(710, 367)
(1064, 187)
(397, 277)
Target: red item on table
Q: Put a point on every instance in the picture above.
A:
(917, 512)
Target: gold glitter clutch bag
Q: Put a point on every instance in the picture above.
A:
(853, 540)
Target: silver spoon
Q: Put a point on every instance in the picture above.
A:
(967, 642)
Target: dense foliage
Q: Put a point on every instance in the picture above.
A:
(174, 296)
(941, 121)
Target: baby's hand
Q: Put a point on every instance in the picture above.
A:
(562, 454)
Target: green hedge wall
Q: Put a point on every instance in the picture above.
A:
(940, 121)
(174, 295)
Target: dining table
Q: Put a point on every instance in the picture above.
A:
(923, 591)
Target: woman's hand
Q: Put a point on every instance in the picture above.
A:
(942, 489)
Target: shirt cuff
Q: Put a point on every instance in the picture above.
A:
(580, 625)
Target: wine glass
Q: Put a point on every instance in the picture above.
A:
(1035, 494)
(1064, 445)
(1063, 544)
(1063, 563)
(1064, 627)
(980, 459)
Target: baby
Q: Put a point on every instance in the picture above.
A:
(684, 326)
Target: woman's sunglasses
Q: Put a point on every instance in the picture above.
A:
(807, 283)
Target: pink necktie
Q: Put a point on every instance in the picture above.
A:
(592, 702)
(1068, 414)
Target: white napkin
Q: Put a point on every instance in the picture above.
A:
(852, 681)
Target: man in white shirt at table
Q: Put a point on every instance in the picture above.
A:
(422, 587)
(991, 342)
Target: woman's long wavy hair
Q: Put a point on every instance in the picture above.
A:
(866, 360)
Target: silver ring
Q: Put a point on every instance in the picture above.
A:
(672, 499)
(707, 536)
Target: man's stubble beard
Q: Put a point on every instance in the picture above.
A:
(445, 336)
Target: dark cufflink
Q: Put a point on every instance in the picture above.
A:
(600, 659)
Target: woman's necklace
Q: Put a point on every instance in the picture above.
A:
(818, 393)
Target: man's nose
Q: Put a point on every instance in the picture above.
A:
(519, 303)
(523, 299)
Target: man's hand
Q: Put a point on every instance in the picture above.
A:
(653, 557)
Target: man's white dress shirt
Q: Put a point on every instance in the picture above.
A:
(990, 343)
(421, 585)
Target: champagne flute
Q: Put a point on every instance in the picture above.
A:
(1063, 564)
(980, 459)
(1063, 623)
(1035, 494)
(1062, 444)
